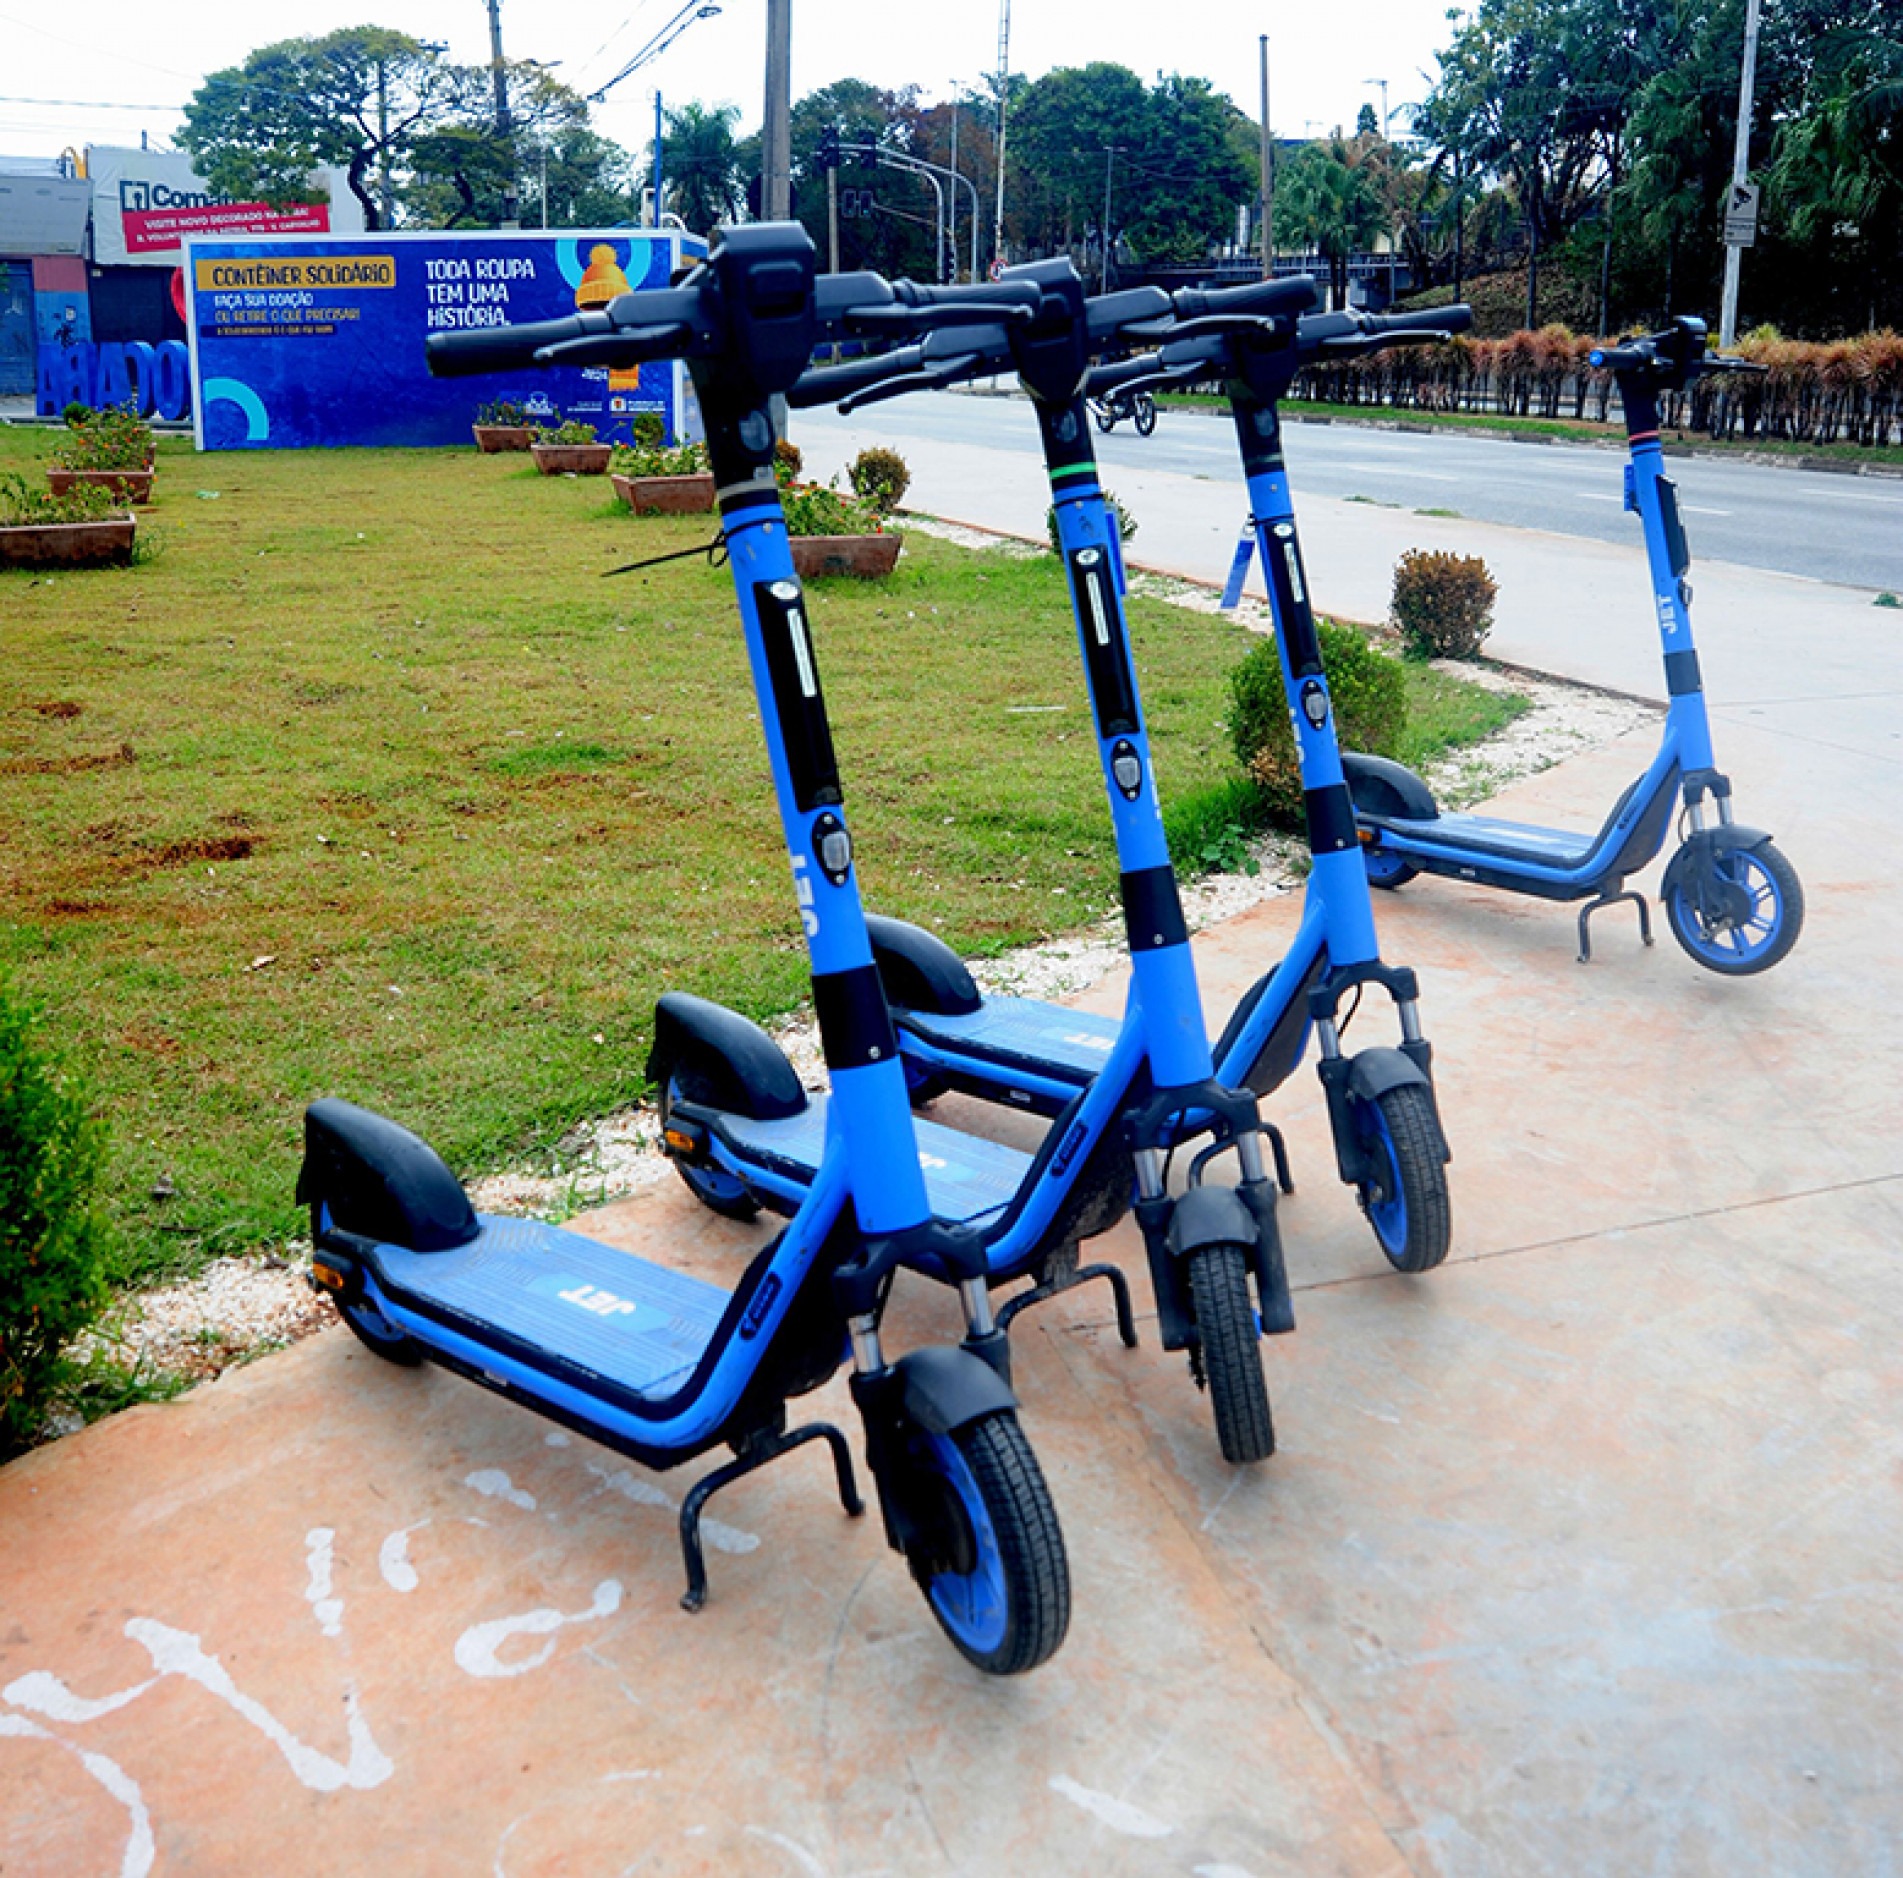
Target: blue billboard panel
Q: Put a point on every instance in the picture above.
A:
(302, 343)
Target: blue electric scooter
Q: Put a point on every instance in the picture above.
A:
(1731, 898)
(660, 1366)
(1388, 1139)
(743, 1132)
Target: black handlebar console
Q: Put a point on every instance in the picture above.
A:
(757, 303)
(1670, 357)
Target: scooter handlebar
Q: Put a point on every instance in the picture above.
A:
(1262, 299)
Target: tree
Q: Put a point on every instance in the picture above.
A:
(359, 99)
(1325, 196)
(700, 163)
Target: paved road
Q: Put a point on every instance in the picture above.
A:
(1837, 528)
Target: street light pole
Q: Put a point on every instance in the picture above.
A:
(505, 130)
(1109, 163)
(1740, 164)
(776, 124)
(1268, 173)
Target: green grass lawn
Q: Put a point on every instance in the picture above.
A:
(367, 784)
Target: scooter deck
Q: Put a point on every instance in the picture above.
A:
(967, 1178)
(1486, 834)
(1022, 1033)
(636, 1325)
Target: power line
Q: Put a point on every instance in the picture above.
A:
(88, 104)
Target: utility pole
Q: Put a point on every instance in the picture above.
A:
(1383, 83)
(505, 130)
(954, 193)
(776, 124)
(1268, 173)
(1740, 164)
(1004, 92)
(1109, 161)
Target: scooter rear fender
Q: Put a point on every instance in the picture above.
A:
(722, 1059)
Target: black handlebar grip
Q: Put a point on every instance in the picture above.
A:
(988, 294)
(827, 384)
(506, 348)
(1297, 293)
(1439, 322)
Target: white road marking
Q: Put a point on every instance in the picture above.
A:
(1107, 1809)
(141, 1850)
(496, 1485)
(478, 1648)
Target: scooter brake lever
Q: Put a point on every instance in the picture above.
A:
(926, 319)
(1271, 326)
(932, 378)
(627, 345)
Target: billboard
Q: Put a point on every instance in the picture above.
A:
(148, 203)
(302, 343)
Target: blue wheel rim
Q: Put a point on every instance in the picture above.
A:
(713, 1182)
(971, 1605)
(1739, 944)
(1387, 1217)
(1381, 865)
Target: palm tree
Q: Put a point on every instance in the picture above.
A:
(1330, 202)
(700, 163)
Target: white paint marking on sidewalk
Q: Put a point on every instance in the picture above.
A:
(141, 1850)
(319, 1548)
(496, 1485)
(477, 1649)
(1119, 1815)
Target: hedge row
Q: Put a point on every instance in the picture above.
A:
(1843, 391)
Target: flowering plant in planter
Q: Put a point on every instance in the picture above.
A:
(503, 425)
(112, 447)
(570, 449)
(75, 527)
(834, 533)
(651, 479)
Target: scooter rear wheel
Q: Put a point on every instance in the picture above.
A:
(379, 1336)
(1743, 916)
(715, 1188)
(1145, 413)
(1413, 1218)
(994, 1573)
(1231, 1352)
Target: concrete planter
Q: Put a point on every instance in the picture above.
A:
(492, 439)
(128, 485)
(572, 459)
(865, 557)
(666, 495)
(105, 543)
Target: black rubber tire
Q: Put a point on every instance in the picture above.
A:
(1029, 1558)
(739, 1205)
(1105, 415)
(1782, 876)
(1376, 797)
(1145, 413)
(1232, 1352)
(396, 1348)
(1407, 1113)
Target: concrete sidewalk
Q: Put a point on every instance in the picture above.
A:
(1578, 1556)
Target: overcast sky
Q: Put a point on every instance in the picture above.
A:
(118, 52)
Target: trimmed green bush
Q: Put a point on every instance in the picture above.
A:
(1369, 690)
(1443, 603)
(815, 509)
(52, 1255)
(650, 430)
(879, 476)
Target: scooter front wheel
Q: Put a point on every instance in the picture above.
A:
(715, 1188)
(1739, 913)
(992, 1563)
(1406, 1201)
(1386, 869)
(1231, 1352)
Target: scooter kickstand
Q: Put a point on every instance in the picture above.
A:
(1279, 1148)
(1119, 1288)
(751, 1452)
(1612, 899)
